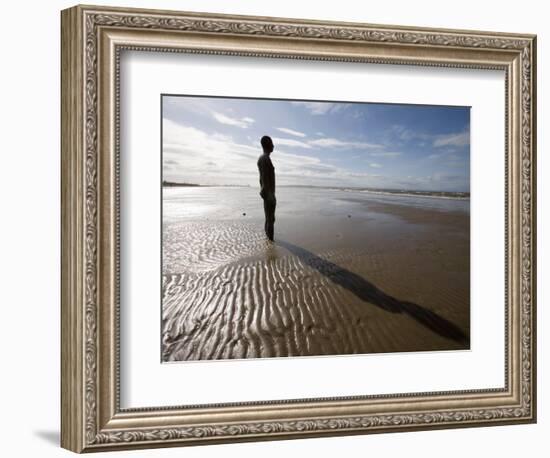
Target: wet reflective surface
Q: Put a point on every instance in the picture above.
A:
(349, 272)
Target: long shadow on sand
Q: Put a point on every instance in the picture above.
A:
(368, 292)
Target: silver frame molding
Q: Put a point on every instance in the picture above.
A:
(92, 39)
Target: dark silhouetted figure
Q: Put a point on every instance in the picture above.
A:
(267, 185)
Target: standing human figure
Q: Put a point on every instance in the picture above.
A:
(267, 185)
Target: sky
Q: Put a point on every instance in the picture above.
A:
(216, 141)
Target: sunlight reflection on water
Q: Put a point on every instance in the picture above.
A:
(235, 202)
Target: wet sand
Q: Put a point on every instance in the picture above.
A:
(348, 273)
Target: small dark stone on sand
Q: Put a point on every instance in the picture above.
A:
(349, 216)
(244, 214)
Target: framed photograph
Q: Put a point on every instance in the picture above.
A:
(367, 195)
(278, 228)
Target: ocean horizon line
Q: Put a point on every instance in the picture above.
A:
(465, 195)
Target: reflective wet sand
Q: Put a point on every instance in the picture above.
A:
(349, 273)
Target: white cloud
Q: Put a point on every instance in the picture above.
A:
(291, 132)
(290, 142)
(405, 134)
(242, 122)
(190, 152)
(321, 108)
(386, 154)
(194, 156)
(315, 108)
(460, 139)
(363, 175)
(322, 143)
(336, 143)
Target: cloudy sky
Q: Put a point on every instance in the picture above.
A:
(209, 140)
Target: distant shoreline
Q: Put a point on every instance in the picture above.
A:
(173, 184)
(392, 192)
(427, 194)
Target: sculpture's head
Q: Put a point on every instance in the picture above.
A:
(267, 144)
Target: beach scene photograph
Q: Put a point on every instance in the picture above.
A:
(300, 228)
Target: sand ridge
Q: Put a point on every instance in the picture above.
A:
(230, 294)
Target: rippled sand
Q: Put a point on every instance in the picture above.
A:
(371, 278)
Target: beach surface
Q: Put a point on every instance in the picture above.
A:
(349, 272)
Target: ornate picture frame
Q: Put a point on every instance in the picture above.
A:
(92, 41)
